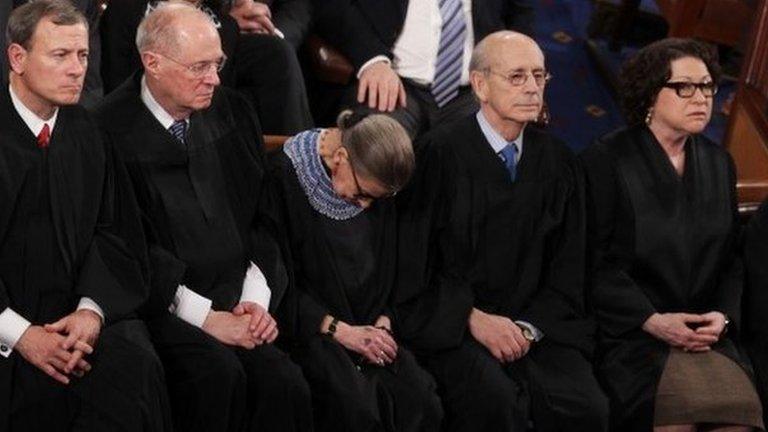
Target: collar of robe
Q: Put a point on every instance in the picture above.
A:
(313, 178)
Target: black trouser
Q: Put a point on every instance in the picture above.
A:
(355, 396)
(125, 390)
(214, 387)
(553, 386)
(268, 73)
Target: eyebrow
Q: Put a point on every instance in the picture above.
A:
(689, 77)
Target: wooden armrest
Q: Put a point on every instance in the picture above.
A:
(274, 143)
(328, 64)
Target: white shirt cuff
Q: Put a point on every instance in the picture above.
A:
(190, 306)
(278, 33)
(12, 326)
(255, 287)
(378, 58)
(88, 303)
(537, 334)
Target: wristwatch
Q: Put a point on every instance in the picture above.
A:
(527, 333)
(332, 327)
(727, 324)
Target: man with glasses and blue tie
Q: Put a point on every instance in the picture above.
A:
(493, 238)
(193, 151)
(411, 57)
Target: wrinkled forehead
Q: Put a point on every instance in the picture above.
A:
(518, 54)
(49, 36)
(198, 39)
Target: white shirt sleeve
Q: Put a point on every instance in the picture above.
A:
(88, 303)
(255, 287)
(12, 326)
(378, 58)
(190, 306)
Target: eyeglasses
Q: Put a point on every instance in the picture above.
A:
(686, 90)
(361, 195)
(519, 78)
(200, 69)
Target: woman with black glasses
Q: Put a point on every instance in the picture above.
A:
(666, 277)
(334, 187)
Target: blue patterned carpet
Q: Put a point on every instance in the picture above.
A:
(580, 102)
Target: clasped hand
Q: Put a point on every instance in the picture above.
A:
(247, 326)
(59, 349)
(691, 332)
(499, 334)
(374, 343)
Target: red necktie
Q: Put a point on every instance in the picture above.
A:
(44, 137)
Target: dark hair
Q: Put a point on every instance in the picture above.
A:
(24, 19)
(378, 147)
(644, 74)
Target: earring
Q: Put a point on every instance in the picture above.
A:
(649, 116)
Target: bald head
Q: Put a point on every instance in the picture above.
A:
(173, 26)
(490, 51)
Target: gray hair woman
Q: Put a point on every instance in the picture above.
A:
(335, 188)
(667, 279)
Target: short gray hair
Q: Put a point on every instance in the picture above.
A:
(157, 30)
(378, 147)
(24, 19)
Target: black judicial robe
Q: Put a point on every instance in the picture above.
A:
(662, 243)
(472, 238)
(199, 236)
(343, 268)
(347, 269)
(69, 228)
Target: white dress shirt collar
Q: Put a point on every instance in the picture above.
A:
(154, 107)
(33, 122)
(496, 141)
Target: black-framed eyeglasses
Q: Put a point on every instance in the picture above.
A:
(363, 195)
(686, 90)
(200, 69)
(519, 78)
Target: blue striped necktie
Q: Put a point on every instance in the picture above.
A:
(179, 130)
(445, 86)
(509, 155)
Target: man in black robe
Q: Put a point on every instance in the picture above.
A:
(69, 279)
(94, 89)
(493, 245)
(193, 154)
(263, 67)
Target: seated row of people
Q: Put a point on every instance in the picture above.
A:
(347, 283)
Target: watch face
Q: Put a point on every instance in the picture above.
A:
(528, 334)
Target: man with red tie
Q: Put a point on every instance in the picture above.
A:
(71, 359)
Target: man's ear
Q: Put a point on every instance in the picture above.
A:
(17, 58)
(151, 62)
(479, 82)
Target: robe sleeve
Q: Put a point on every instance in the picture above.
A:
(729, 294)
(432, 298)
(557, 309)
(620, 304)
(114, 272)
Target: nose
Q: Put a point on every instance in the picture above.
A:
(77, 65)
(698, 97)
(530, 85)
(211, 76)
